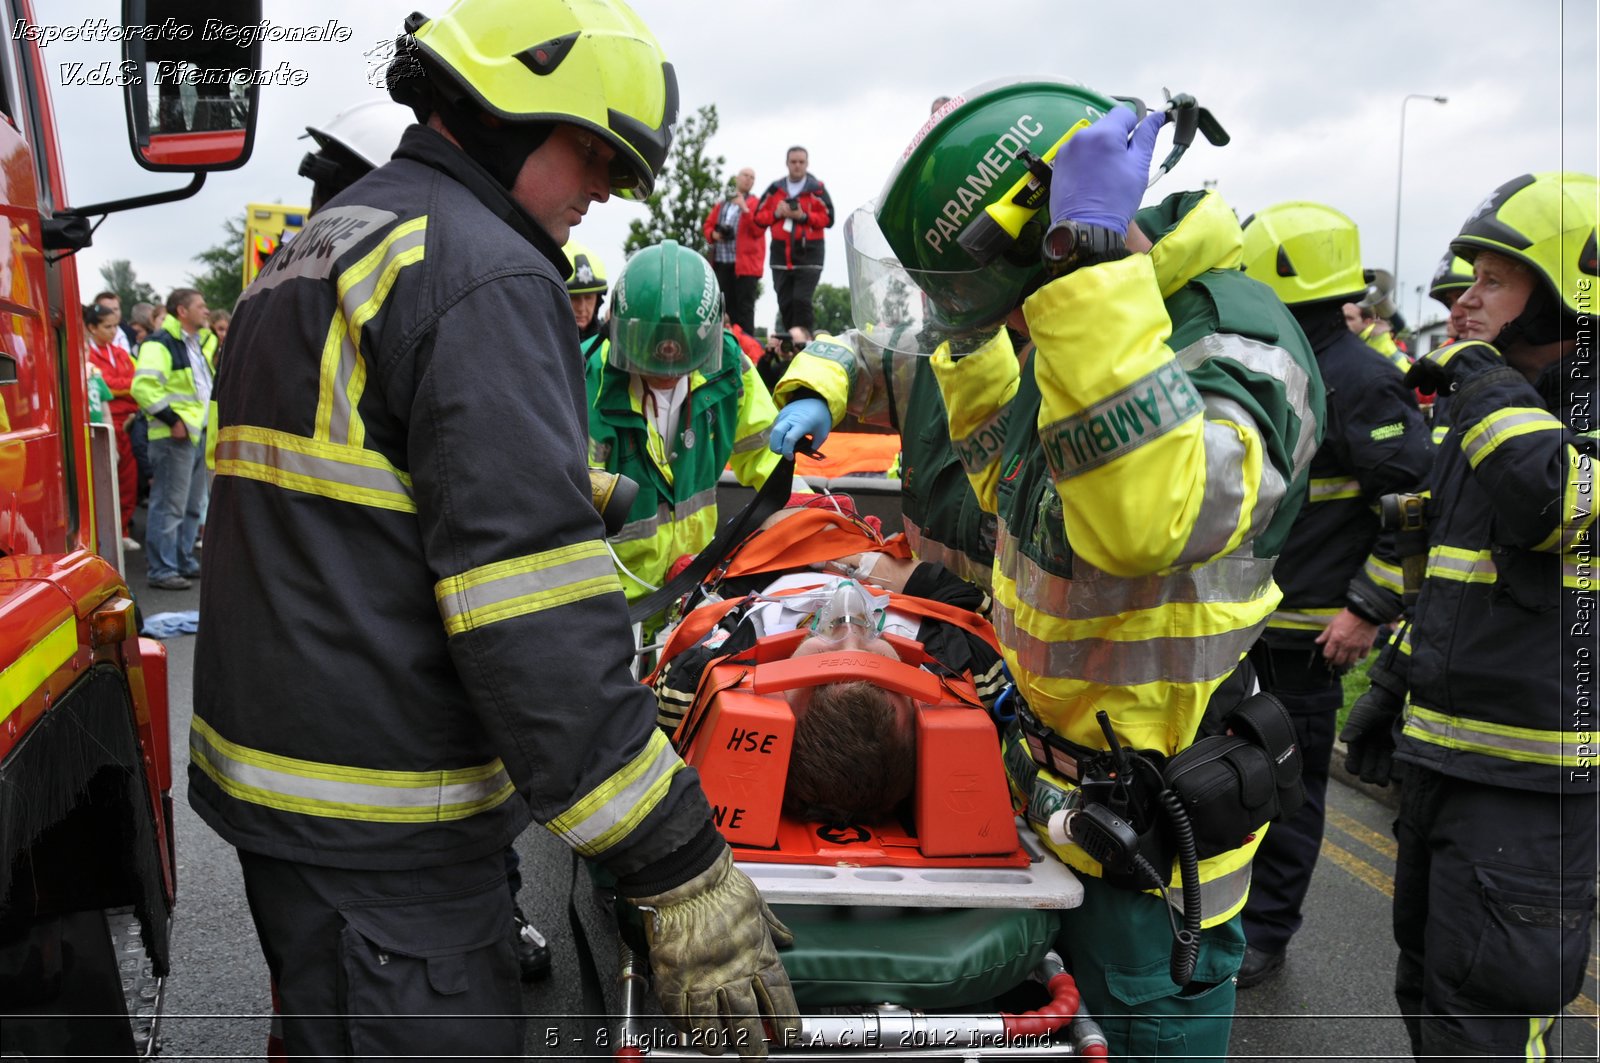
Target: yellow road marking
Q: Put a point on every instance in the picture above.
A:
(1378, 843)
(1358, 867)
(1582, 1007)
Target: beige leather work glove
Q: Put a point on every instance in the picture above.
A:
(716, 971)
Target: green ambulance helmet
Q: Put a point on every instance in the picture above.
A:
(666, 318)
(1305, 252)
(948, 222)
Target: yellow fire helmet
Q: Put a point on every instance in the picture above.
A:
(1546, 221)
(1306, 252)
(588, 276)
(589, 63)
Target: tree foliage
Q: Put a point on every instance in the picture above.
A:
(222, 281)
(831, 305)
(689, 184)
(119, 276)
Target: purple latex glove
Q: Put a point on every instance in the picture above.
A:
(1100, 174)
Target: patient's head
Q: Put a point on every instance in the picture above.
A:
(855, 744)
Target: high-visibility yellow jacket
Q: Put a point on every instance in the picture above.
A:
(1383, 343)
(163, 380)
(726, 419)
(412, 637)
(1145, 474)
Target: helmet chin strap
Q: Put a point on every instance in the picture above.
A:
(501, 148)
(1539, 323)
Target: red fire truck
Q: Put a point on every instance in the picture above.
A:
(87, 869)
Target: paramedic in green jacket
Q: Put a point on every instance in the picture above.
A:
(1145, 464)
(672, 401)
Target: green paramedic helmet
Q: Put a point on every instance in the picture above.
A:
(667, 317)
(959, 215)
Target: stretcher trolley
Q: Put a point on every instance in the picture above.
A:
(929, 935)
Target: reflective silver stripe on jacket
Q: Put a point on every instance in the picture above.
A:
(1269, 360)
(1498, 427)
(664, 515)
(1323, 490)
(753, 441)
(1217, 896)
(926, 549)
(1523, 744)
(338, 791)
(524, 585)
(1464, 566)
(609, 812)
(357, 304)
(1092, 593)
(1175, 659)
(331, 470)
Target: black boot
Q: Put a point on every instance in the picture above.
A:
(1258, 966)
(533, 953)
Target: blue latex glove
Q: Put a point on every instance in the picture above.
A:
(801, 418)
(1100, 175)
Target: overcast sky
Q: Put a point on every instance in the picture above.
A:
(1311, 92)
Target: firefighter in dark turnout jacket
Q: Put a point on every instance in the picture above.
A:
(1491, 688)
(1339, 584)
(415, 641)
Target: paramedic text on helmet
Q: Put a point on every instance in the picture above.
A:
(1013, 142)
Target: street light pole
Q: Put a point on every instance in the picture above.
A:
(1400, 177)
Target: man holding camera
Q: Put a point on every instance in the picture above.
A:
(797, 209)
(737, 244)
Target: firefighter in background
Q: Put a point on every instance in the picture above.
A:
(586, 287)
(1105, 541)
(1491, 705)
(1374, 317)
(672, 401)
(1339, 584)
(1451, 277)
(351, 145)
(417, 642)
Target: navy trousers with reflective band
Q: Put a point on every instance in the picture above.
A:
(1118, 947)
(389, 964)
(1280, 875)
(1494, 894)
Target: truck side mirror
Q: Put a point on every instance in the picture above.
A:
(191, 93)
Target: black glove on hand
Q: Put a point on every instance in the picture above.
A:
(1369, 734)
(1446, 368)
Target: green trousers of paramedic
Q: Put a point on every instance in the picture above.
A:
(1118, 946)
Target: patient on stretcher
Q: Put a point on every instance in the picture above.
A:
(854, 755)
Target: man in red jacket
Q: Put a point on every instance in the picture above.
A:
(797, 209)
(737, 246)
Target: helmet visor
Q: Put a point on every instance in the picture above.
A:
(664, 348)
(915, 311)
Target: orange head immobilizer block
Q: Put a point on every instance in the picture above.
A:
(740, 735)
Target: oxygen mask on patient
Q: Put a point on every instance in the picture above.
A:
(850, 608)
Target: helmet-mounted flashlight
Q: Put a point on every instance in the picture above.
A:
(998, 228)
